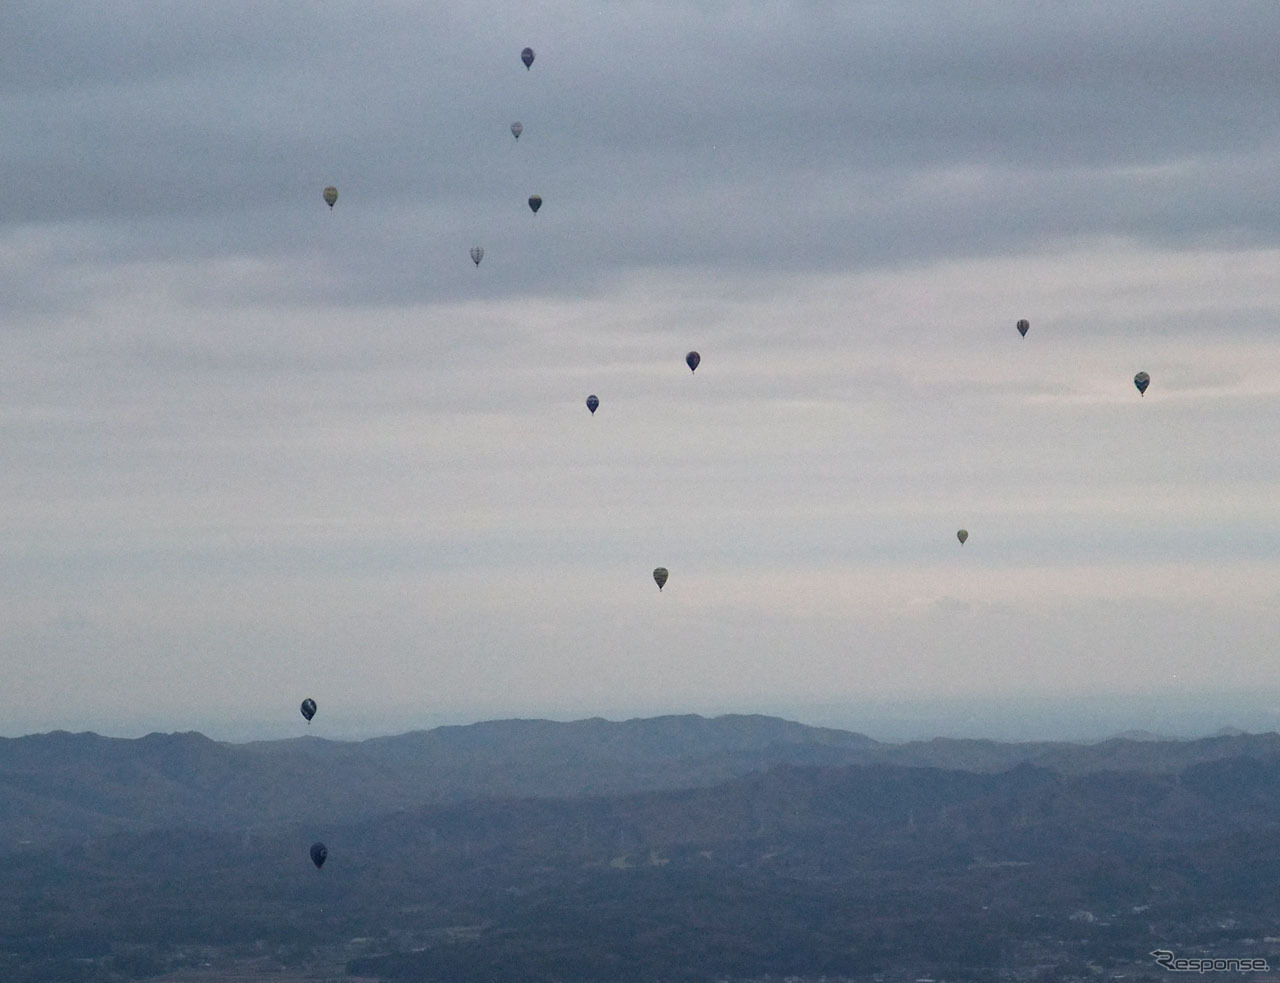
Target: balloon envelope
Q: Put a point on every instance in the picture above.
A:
(962, 535)
(592, 403)
(308, 708)
(330, 195)
(318, 854)
(516, 129)
(526, 56)
(1023, 327)
(1142, 380)
(477, 254)
(660, 576)
(692, 360)
(535, 202)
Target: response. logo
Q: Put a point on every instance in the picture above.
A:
(1193, 964)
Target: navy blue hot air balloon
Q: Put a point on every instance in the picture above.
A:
(526, 56)
(319, 852)
(592, 403)
(692, 360)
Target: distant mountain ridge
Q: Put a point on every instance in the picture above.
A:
(62, 785)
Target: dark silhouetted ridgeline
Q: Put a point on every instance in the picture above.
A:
(74, 785)
(63, 785)
(846, 871)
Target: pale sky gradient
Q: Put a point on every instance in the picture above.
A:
(252, 449)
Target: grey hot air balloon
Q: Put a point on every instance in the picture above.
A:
(526, 56)
(308, 708)
(477, 254)
(319, 852)
(535, 202)
(962, 535)
(692, 360)
(516, 129)
(1142, 380)
(660, 577)
(331, 196)
(1023, 326)
(592, 403)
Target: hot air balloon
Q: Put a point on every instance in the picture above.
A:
(660, 576)
(318, 854)
(526, 56)
(477, 254)
(692, 360)
(535, 202)
(962, 535)
(592, 403)
(308, 708)
(516, 129)
(1023, 327)
(1142, 380)
(330, 195)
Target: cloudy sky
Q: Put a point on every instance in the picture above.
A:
(253, 449)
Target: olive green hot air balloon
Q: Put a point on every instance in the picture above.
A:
(330, 195)
(962, 535)
(660, 577)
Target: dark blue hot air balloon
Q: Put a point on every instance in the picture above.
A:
(692, 360)
(526, 56)
(592, 403)
(318, 854)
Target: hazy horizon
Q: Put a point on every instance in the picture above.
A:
(1030, 718)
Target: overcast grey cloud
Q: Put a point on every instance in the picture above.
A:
(256, 449)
